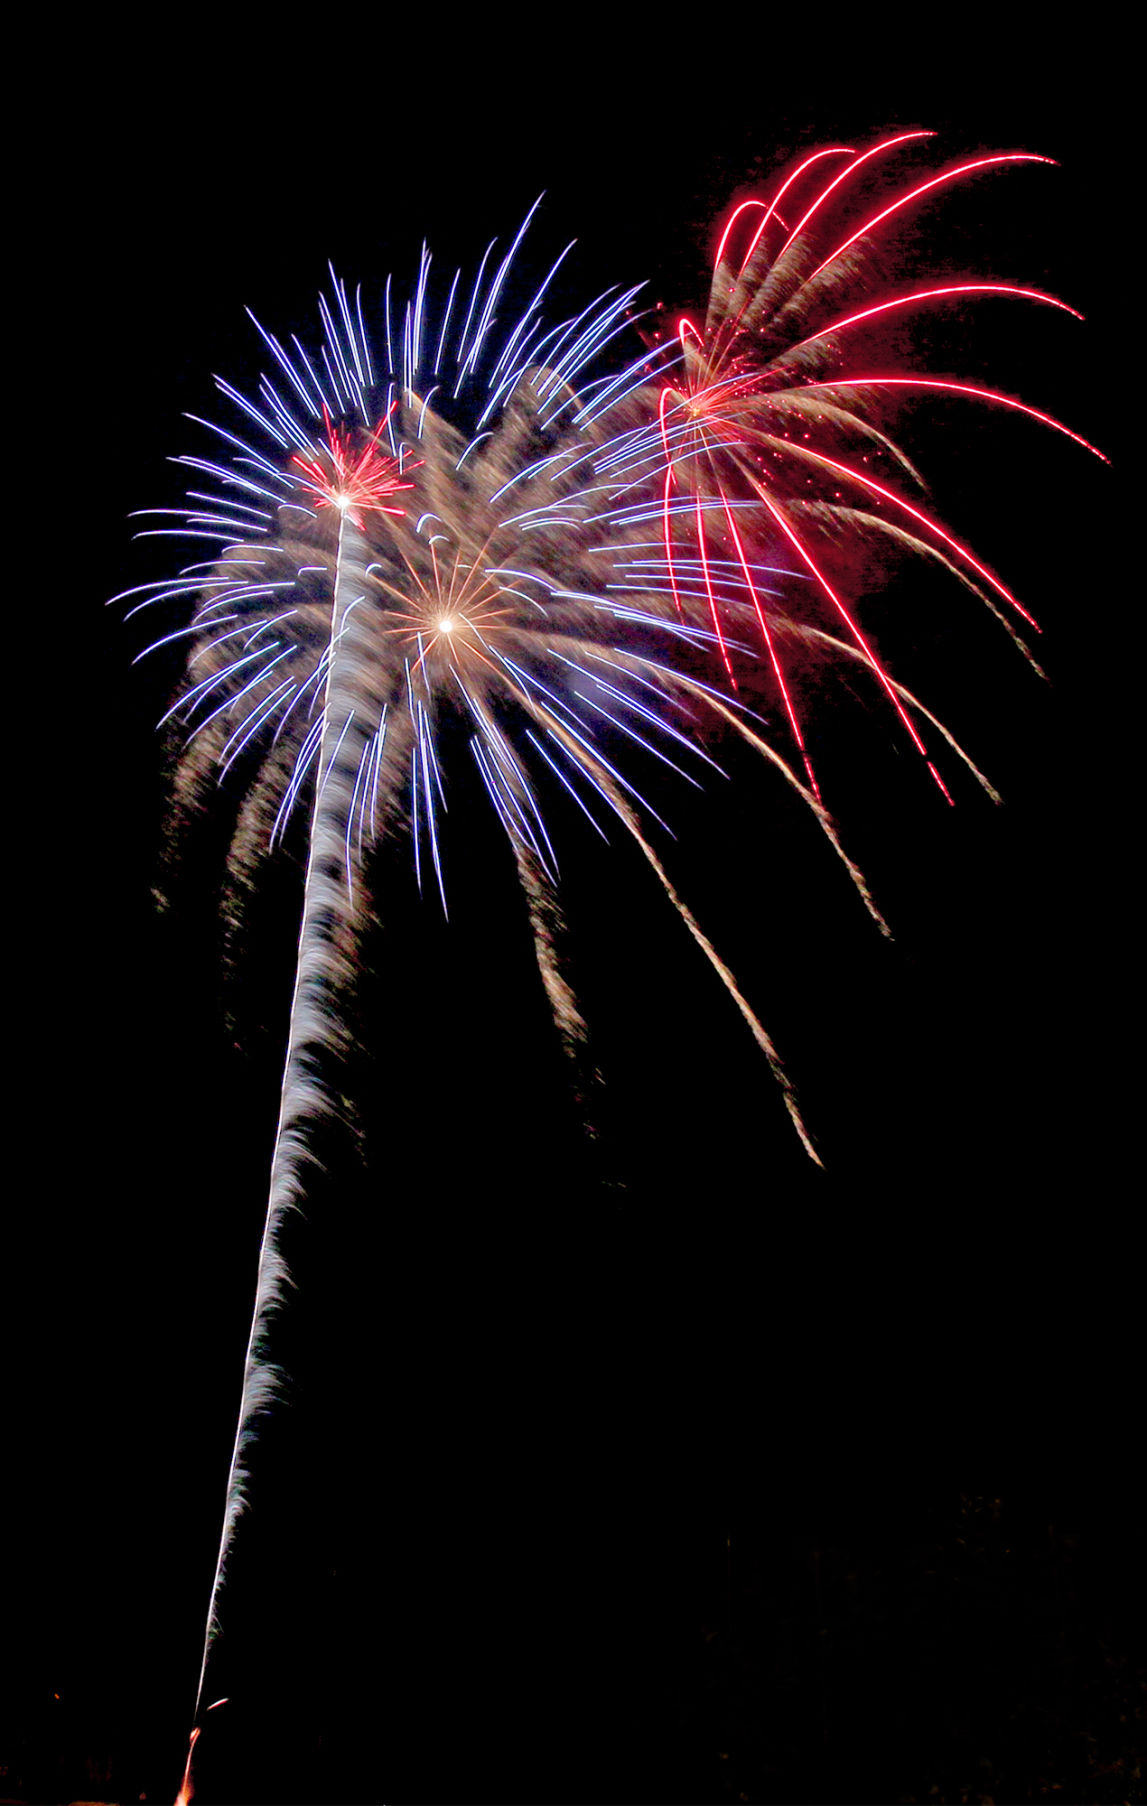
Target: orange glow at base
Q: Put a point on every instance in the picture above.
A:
(187, 1790)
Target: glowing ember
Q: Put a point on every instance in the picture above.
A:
(187, 1790)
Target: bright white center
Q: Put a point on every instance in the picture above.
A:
(446, 624)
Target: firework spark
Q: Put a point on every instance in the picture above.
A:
(578, 559)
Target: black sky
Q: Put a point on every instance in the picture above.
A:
(526, 1394)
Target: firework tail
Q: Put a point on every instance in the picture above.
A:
(187, 1786)
(548, 926)
(322, 966)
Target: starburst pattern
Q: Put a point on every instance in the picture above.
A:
(353, 483)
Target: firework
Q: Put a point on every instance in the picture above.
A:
(575, 538)
(768, 404)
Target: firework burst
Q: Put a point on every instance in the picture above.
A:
(574, 554)
(767, 404)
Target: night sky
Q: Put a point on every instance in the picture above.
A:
(561, 1423)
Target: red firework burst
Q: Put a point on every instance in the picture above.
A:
(765, 395)
(355, 483)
